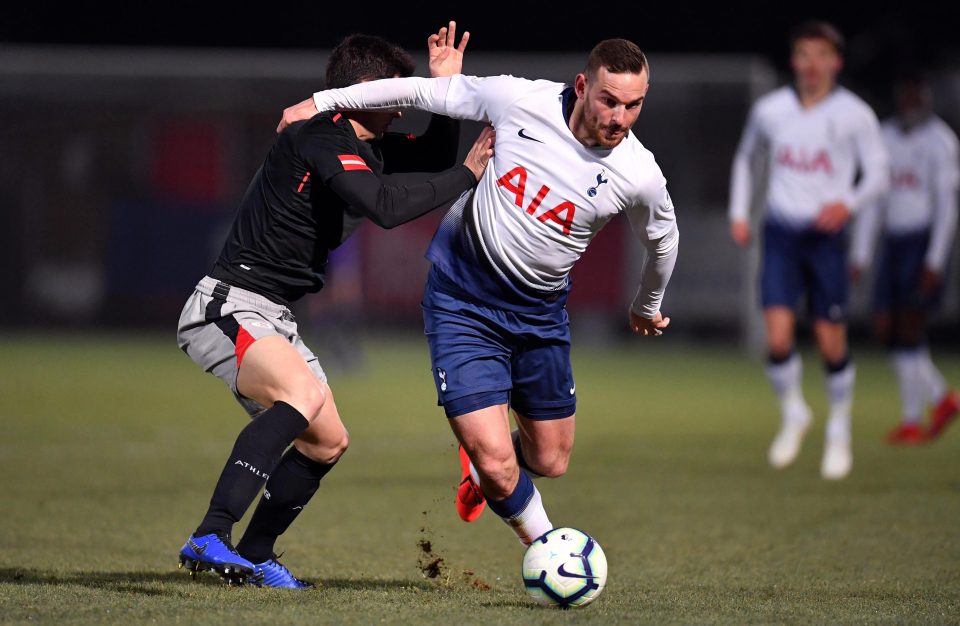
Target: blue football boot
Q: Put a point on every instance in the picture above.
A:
(215, 553)
(272, 573)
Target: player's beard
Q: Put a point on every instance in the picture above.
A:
(603, 135)
(607, 135)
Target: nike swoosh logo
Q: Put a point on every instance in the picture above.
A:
(565, 573)
(521, 133)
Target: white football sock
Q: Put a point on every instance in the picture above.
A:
(531, 521)
(933, 382)
(908, 368)
(840, 391)
(786, 378)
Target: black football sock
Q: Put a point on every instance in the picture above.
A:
(289, 489)
(255, 454)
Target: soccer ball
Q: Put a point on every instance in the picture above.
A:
(564, 567)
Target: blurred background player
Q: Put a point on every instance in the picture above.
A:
(320, 180)
(917, 221)
(815, 136)
(494, 306)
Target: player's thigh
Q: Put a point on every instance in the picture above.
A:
(781, 273)
(827, 276)
(326, 439)
(469, 354)
(273, 370)
(543, 383)
(218, 334)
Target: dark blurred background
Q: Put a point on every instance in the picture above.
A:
(129, 132)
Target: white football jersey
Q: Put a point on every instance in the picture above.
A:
(813, 156)
(924, 179)
(544, 195)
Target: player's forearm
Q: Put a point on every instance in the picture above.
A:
(943, 229)
(661, 258)
(875, 179)
(396, 203)
(864, 234)
(741, 187)
(427, 94)
(871, 188)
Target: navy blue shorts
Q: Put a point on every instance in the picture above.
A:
(897, 285)
(798, 262)
(484, 356)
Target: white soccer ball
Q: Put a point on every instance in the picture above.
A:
(564, 567)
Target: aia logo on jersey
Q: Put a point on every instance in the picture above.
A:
(904, 179)
(561, 214)
(592, 191)
(801, 160)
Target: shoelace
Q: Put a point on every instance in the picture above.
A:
(276, 563)
(225, 538)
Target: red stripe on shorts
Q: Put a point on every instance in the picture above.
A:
(244, 341)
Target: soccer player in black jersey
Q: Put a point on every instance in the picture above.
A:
(321, 179)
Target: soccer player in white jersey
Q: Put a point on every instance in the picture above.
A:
(565, 163)
(917, 220)
(814, 135)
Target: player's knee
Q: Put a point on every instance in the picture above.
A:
(308, 397)
(498, 473)
(551, 465)
(334, 449)
(779, 349)
(328, 451)
(340, 446)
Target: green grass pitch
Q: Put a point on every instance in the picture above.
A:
(109, 447)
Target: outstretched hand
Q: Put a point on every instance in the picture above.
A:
(648, 327)
(481, 151)
(300, 111)
(446, 59)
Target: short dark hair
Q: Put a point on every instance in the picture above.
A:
(618, 56)
(817, 29)
(360, 58)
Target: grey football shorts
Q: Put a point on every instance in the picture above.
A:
(219, 322)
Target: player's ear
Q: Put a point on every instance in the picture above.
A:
(580, 85)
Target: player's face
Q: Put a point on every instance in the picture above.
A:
(815, 63)
(611, 104)
(377, 122)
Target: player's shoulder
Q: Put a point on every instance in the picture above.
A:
(779, 98)
(851, 103)
(518, 87)
(323, 129)
(326, 123)
(645, 174)
(943, 135)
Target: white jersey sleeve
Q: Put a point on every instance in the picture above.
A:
(459, 96)
(945, 183)
(653, 221)
(874, 166)
(866, 227)
(741, 176)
